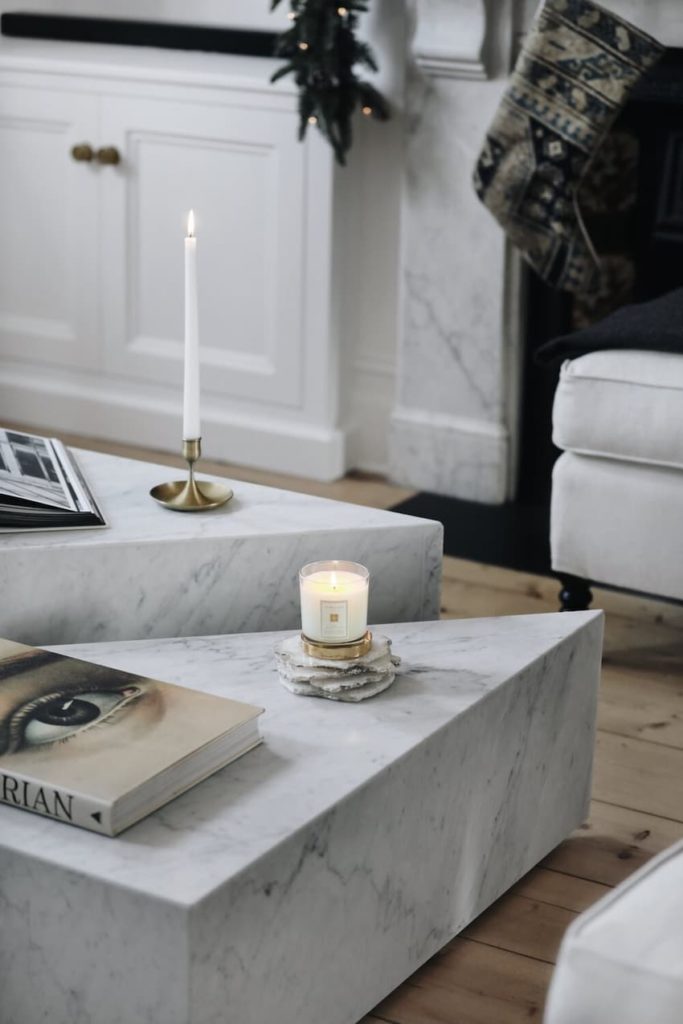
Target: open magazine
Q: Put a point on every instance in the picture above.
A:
(41, 487)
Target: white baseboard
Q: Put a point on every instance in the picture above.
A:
(371, 400)
(458, 457)
(115, 411)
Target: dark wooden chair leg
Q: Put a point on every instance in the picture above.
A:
(575, 594)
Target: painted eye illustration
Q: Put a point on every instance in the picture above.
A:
(57, 717)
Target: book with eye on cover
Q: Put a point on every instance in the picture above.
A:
(41, 486)
(92, 746)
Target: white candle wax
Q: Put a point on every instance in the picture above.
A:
(334, 601)
(191, 423)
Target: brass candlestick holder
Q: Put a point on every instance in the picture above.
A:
(345, 651)
(189, 495)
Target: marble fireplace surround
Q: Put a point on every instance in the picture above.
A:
(455, 425)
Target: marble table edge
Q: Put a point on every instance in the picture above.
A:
(579, 619)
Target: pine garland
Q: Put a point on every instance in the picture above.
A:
(322, 50)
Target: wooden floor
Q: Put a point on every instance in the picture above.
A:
(498, 970)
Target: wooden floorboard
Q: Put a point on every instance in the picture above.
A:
(639, 775)
(471, 983)
(646, 707)
(518, 924)
(635, 607)
(613, 843)
(568, 892)
(498, 970)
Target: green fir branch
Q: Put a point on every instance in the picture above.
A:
(321, 50)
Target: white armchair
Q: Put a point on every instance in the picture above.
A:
(617, 499)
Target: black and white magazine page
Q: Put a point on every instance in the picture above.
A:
(83, 496)
(30, 472)
(42, 487)
(65, 462)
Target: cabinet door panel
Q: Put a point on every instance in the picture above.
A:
(48, 225)
(242, 171)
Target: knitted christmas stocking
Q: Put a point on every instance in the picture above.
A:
(575, 73)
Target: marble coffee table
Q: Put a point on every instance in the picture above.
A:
(157, 573)
(303, 883)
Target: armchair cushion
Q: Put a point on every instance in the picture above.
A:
(622, 404)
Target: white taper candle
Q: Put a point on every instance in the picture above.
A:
(191, 422)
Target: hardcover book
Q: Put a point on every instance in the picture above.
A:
(41, 486)
(95, 747)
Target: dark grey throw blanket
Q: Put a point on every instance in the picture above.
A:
(578, 67)
(656, 325)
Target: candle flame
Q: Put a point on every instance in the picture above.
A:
(333, 579)
(190, 224)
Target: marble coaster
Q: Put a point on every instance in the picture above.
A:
(350, 681)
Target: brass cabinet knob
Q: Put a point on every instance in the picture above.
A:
(83, 153)
(108, 156)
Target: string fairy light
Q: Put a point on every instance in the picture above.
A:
(322, 51)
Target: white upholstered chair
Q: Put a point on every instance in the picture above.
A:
(621, 961)
(617, 499)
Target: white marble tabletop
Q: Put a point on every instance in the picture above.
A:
(315, 752)
(156, 573)
(308, 879)
(122, 486)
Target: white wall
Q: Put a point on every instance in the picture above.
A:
(370, 251)
(383, 26)
(234, 13)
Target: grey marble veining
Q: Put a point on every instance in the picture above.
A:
(308, 879)
(456, 395)
(156, 573)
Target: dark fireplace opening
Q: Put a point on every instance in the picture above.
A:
(635, 218)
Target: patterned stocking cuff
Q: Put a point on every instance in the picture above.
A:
(574, 75)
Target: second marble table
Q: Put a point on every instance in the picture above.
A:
(304, 882)
(155, 573)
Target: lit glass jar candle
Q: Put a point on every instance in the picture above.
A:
(334, 601)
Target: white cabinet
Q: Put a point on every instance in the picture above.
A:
(297, 260)
(91, 257)
(49, 229)
(243, 173)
